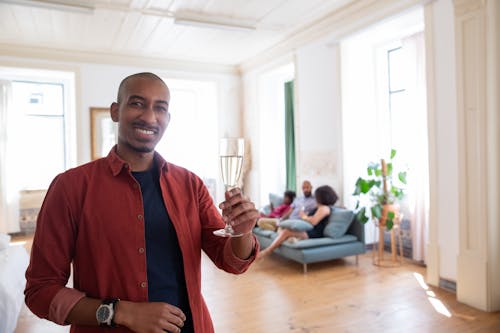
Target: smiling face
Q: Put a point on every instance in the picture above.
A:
(141, 113)
(307, 188)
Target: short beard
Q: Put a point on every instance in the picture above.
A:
(140, 149)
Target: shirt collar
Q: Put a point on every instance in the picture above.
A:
(117, 164)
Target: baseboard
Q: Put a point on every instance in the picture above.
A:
(369, 247)
(445, 284)
(19, 233)
(448, 285)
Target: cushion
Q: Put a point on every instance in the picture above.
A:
(275, 199)
(339, 221)
(297, 225)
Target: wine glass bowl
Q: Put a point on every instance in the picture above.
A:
(231, 152)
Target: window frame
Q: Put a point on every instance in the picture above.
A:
(45, 76)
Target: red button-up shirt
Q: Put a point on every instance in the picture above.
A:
(92, 216)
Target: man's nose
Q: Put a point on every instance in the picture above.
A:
(148, 114)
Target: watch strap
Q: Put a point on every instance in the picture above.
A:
(113, 302)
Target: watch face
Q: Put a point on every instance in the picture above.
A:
(103, 313)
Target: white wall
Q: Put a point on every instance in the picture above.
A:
(318, 125)
(359, 105)
(318, 115)
(263, 123)
(251, 123)
(446, 138)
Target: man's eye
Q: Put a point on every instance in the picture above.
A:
(138, 104)
(161, 109)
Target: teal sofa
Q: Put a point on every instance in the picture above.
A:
(344, 236)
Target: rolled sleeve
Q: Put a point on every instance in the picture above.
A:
(62, 303)
(237, 264)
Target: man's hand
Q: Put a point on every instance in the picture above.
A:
(153, 317)
(240, 212)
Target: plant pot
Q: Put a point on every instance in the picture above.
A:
(385, 210)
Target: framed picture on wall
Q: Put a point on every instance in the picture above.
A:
(103, 132)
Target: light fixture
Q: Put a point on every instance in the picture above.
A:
(56, 5)
(212, 23)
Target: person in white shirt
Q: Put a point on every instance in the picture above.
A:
(301, 205)
(305, 203)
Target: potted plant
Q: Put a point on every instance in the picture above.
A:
(378, 194)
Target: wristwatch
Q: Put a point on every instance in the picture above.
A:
(105, 313)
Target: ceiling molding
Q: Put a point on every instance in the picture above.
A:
(71, 56)
(73, 6)
(213, 22)
(338, 24)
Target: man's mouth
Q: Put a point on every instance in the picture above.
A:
(144, 131)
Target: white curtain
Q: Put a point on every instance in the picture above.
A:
(418, 180)
(9, 193)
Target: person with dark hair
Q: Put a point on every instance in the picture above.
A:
(278, 212)
(325, 198)
(132, 227)
(271, 220)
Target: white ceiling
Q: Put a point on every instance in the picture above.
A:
(147, 28)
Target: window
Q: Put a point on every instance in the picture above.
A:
(384, 107)
(38, 137)
(396, 93)
(400, 109)
(39, 119)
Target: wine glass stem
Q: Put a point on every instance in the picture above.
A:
(228, 226)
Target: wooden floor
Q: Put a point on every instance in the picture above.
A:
(337, 296)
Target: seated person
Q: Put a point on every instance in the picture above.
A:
(279, 211)
(325, 197)
(271, 220)
(304, 203)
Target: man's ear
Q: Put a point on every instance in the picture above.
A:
(113, 111)
(168, 120)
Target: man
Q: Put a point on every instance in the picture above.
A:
(305, 203)
(133, 226)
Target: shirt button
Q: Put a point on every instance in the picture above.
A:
(141, 250)
(143, 284)
(139, 217)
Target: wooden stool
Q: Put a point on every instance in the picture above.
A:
(378, 256)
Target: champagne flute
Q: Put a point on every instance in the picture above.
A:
(231, 152)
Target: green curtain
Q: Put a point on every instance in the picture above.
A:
(291, 183)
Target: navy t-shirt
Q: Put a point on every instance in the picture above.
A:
(165, 270)
(317, 231)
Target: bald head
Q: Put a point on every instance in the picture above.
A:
(144, 75)
(307, 188)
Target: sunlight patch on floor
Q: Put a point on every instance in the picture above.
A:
(439, 307)
(431, 296)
